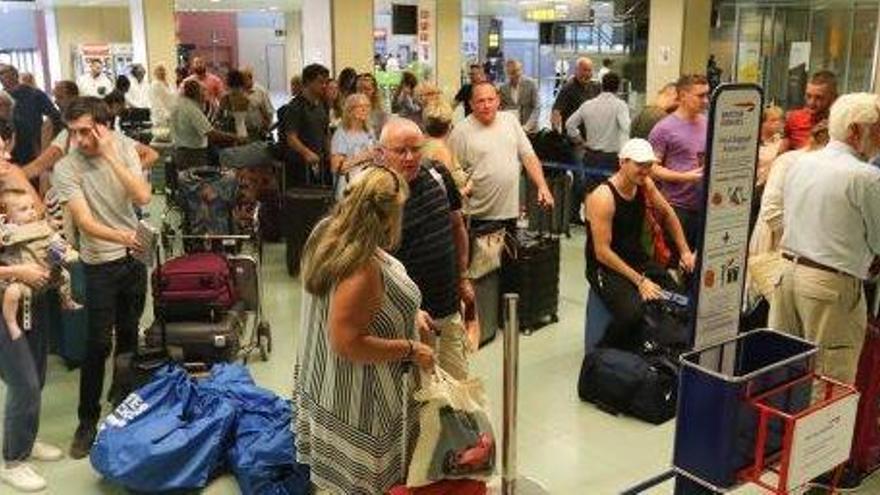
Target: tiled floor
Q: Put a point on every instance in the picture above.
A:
(569, 446)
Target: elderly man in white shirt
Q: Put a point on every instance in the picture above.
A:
(831, 237)
(606, 121)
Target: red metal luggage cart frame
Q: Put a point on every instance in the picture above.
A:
(830, 391)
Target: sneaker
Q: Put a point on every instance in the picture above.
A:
(22, 477)
(82, 441)
(45, 452)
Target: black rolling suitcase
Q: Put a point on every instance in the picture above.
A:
(201, 341)
(487, 289)
(534, 274)
(558, 221)
(303, 208)
(132, 370)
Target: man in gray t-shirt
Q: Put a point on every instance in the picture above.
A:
(492, 146)
(99, 182)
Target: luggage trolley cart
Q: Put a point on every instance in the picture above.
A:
(752, 410)
(246, 270)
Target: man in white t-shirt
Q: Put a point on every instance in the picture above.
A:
(492, 146)
(95, 82)
(138, 95)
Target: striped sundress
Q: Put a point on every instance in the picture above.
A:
(350, 417)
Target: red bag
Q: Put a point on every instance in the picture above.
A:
(194, 287)
(445, 487)
(865, 457)
(662, 253)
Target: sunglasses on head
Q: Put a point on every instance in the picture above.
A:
(376, 166)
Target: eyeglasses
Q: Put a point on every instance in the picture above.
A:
(403, 150)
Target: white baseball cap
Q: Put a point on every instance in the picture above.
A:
(638, 150)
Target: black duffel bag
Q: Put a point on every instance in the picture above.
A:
(621, 382)
(553, 146)
(666, 325)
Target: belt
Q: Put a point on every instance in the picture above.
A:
(800, 260)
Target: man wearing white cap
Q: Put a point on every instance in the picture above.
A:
(618, 267)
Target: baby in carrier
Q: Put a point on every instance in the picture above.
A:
(25, 238)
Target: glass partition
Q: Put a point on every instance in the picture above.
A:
(777, 44)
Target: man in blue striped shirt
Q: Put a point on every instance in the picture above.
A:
(434, 241)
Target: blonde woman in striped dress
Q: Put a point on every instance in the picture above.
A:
(355, 419)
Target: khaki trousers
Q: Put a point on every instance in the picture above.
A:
(452, 346)
(827, 309)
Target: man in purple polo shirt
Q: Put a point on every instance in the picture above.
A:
(679, 142)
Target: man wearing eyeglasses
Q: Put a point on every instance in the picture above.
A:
(618, 267)
(433, 244)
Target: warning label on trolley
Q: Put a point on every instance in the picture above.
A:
(822, 441)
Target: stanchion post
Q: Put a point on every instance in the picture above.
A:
(511, 483)
(511, 365)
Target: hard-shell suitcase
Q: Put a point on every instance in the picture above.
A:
(196, 286)
(202, 341)
(557, 221)
(534, 274)
(488, 298)
(303, 208)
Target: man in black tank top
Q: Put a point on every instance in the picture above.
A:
(618, 266)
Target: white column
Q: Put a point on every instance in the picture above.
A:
(138, 32)
(448, 43)
(53, 47)
(317, 33)
(294, 42)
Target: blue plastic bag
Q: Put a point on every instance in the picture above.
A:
(168, 435)
(263, 454)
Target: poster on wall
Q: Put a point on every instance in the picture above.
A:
(799, 54)
(732, 151)
(748, 63)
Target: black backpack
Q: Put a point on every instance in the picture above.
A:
(666, 327)
(553, 146)
(621, 382)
